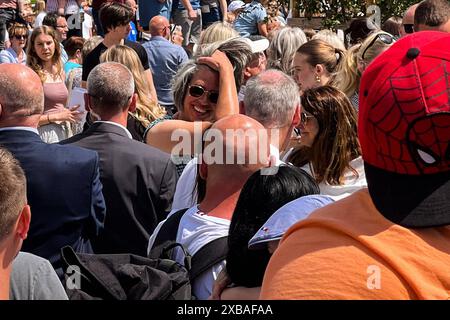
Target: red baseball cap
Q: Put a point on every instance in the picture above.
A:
(404, 129)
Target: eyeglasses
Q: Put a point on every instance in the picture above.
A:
(198, 91)
(409, 28)
(63, 27)
(384, 37)
(304, 117)
(20, 36)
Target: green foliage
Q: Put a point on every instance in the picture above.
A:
(339, 12)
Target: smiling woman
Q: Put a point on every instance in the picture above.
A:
(44, 57)
(18, 35)
(205, 89)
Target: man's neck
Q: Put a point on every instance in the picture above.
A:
(220, 200)
(119, 119)
(110, 40)
(4, 283)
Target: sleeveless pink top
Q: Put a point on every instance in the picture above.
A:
(55, 96)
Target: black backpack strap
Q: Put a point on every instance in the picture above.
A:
(210, 254)
(167, 235)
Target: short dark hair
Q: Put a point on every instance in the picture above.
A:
(431, 13)
(114, 14)
(13, 192)
(392, 26)
(51, 20)
(260, 197)
(73, 44)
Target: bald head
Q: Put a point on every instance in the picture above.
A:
(236, 144)
(21, 94)
(159, 26)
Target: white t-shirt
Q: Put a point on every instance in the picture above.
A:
(351, 182)
(87, 26)
(195, 230)
(185, 197)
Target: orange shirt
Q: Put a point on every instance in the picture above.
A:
(348, 250)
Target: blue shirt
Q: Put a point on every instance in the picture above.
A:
(132, 36)
(10, 56)
(247, 21)
(69, 66)
(151, 8)
(164, 58)
(194, 3)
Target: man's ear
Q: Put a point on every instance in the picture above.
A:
(132, 103)
(296, 118)
(203, 170)
(23, 223)
(247, 73)
(87, 102)
(241, 107)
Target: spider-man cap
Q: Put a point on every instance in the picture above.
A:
(404, 130)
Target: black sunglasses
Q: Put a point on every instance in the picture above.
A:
(304, 117)
(198, 91)
(409, 28)
(384, 37)
(20, 36)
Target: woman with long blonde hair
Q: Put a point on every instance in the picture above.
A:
(147, 110)
(44, 57)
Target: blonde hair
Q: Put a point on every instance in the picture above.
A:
(146, 108)
(33, 60)
(348, 76)
(40, 6)
(218, 31)
(330, 37)
(372, 48)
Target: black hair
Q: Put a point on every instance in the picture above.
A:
(51, 19)
(114, 14)
(260, 197)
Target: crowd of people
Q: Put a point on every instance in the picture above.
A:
(324, 162)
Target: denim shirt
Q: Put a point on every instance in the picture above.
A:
(247, 21)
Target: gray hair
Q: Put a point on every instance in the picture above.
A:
(111, 85)
(271, 98)
(282, 49)
(15, 96)
(238, 52)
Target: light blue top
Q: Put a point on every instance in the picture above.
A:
(10, 56)
(69, 66)
(64, 56)
(247, 21)
(164, 58)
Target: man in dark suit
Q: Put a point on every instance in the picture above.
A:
(64, 189)
(138, 180)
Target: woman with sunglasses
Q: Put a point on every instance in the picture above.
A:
(357, 59)
(205, 90)
(18, 35)
(147, 109)
(44, 57)
(329, 148)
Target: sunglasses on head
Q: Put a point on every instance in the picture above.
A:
(409, 28)
(198, 91)
(383, 37)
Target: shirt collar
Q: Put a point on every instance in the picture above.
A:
(118, 125)
(34, 130)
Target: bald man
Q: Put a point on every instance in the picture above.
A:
(236, 148)
(164, 58)
(63, 184)
(408, 21)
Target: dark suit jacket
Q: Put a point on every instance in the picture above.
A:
(64, 193)
(138, 184)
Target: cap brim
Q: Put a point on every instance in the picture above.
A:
(257, 45)
(412, 201)
(257, 243)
